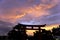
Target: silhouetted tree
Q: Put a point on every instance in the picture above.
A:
(56, 31)
(47, 35)
(12, 35)
(37, 35)
(18, 33)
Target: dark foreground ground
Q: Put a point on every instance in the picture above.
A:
(6, 38)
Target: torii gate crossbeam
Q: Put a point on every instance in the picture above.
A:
(24, 26)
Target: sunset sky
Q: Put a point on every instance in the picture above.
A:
(28, 12)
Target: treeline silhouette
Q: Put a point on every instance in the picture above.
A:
(19, 33)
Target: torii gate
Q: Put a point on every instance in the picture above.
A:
(24, 28)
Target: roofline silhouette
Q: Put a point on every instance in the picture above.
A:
(32, 25)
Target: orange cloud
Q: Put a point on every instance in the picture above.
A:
(41, 9)
(35, 11)
(11, 18)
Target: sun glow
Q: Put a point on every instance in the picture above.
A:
(48, 27)
(30, 32)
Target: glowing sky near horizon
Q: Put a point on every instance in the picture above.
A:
(48, 27)
(30, 11)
